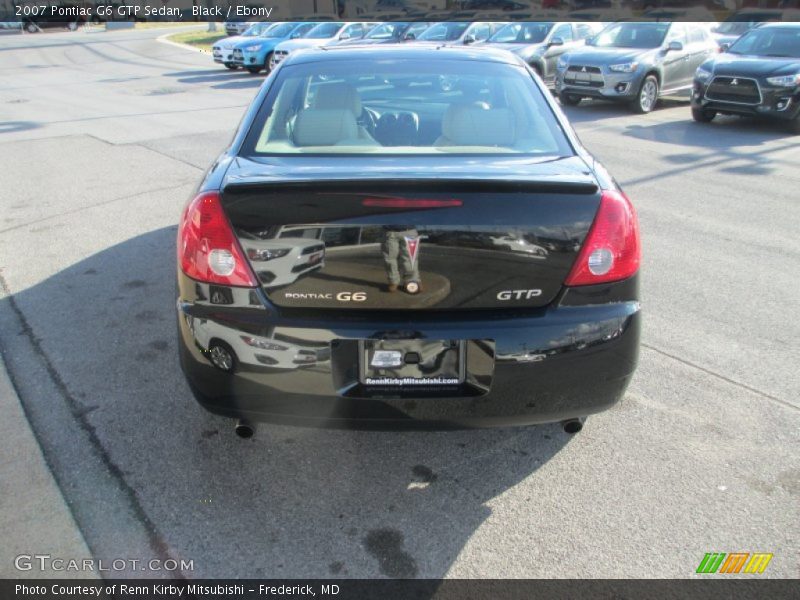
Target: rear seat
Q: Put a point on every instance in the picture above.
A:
(476, 125)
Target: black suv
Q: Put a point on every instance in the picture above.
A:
(759, 75)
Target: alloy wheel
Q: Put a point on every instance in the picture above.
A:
(648, 95)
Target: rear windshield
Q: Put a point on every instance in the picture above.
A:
(405, 107)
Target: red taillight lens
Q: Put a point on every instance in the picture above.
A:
(611, 251)
(208, 250)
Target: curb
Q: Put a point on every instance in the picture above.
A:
(163, 39)
(34, 517)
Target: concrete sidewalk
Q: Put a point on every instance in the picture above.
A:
(34, 518)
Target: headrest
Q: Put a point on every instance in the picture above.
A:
(474, 125)
(315, 127)
(340, 95)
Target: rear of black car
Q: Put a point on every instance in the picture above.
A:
(412, 284)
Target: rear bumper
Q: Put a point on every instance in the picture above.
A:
(554, 364)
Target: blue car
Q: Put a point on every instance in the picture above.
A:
(222, 51)
(254, 53)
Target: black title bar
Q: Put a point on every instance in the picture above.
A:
(398, 10)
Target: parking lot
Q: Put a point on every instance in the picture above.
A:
(103, 137)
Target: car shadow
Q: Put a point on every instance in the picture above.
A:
(290, 502)
(17, 126)
(729, 144)
(199, 72)
(213, 77)
(590, 110)
(254, 81)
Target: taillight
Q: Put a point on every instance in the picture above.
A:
(612, 250)
(208, 250)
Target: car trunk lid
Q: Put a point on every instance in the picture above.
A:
(333, 240)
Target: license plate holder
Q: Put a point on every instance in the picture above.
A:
(412, 364)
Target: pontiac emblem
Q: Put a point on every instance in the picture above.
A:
(735, 82)
(412, 245)
(583, 70)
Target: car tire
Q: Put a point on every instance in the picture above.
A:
(231, 66)
(703, 115)
(569, 99)
(794, 125)
(267, 61)
(255, 70)
(647, 96)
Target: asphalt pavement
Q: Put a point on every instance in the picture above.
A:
(103, 137)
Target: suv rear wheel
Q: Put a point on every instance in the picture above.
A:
(647, 97)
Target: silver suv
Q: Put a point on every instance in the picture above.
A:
(635, 63)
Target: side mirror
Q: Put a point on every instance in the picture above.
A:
(674, 47)
(470, 39)
(345, 36)
(556, 41)
(409, 36)
(723, 47)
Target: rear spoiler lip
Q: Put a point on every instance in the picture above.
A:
(444, 185)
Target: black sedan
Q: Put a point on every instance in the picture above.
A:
(387, 255)
(759, 75)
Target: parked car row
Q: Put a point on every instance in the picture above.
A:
(263, 46)
(637, 63)
(629, 62)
